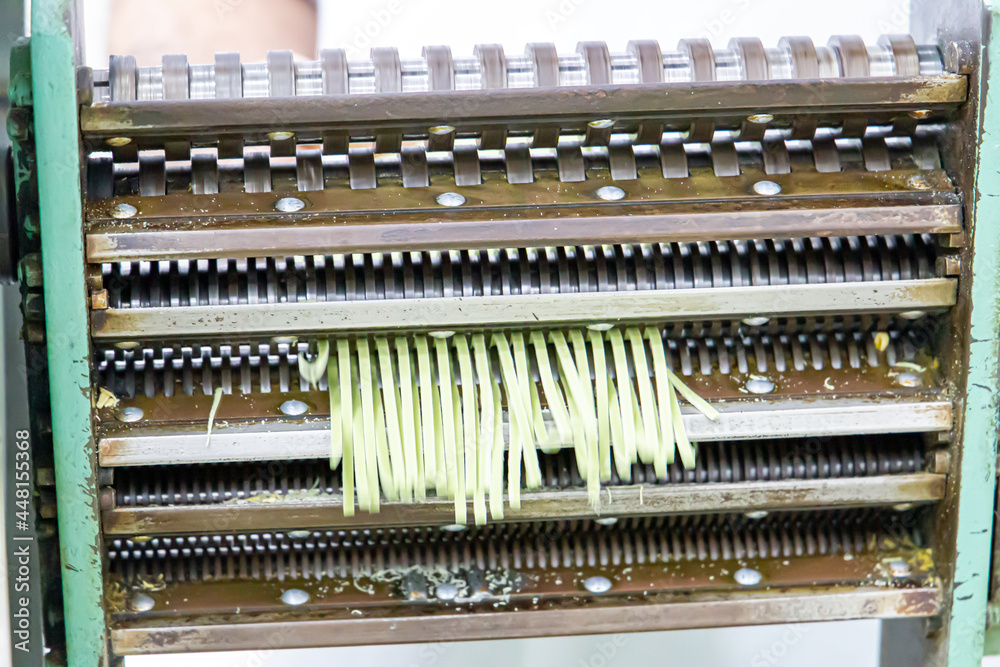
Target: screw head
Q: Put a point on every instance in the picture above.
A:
(123, 211)
(918, 182)
(909, 380)
(759, 386)
(767, 188)
(294, 408)
(129, 414)
(450, 199)
(756, 321)
(899, 568)
(446, 592)
(294, 597)
(760, 118)
(289, 204)
(141, 602)
(747, 577)
(610, 193)
(597, 584)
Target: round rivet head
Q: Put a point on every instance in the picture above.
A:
(912, 314)
(747, 577)
(756, 321)
(446, 592)
(123, 211)
(760, 118)
(601, 124)
(602, 326)
(759, 386)
(289, 204)
(299, 534)
(756, 514)
(606, 521)
(909, 380)
(284, 340)
(610, 193)
(918, 182)
(441, 130)
(118, 142)
(767, 188)
(142, 602)
(597, 584)
(127, 345)
(450, 199)
(441, 334)
(294, 597)
(903, 507)
(280, 136)
(294, 408)
(899, 568)
(920, 114)
(129, 414)
(453, 528)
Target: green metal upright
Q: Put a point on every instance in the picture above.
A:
(977, 473)
(60, 210)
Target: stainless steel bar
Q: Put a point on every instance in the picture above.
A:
(526, 310)
(326, 512)
(310, 439)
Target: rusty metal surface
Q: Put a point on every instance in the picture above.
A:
(636, 500)
(728, 104)
(602, 615)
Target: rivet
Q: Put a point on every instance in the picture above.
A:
(610, 193)
(747, 577)
(142, 602)
(129, 414)
(453, 528)
(912, 314)
(441, 334)
(899, 568)
(756, 321)
(446, 592)
(918, 182)
(760, 118)
(118, 142)
(602, 124)
(450, 199)
(280, 136)
(127, 345)
(289, 204)
(606, 521)
(123, 211)
(294, 408)
(597, 584)
(284, 340)
(299, 534)
(602, 326)
(920, 114)
(909, 380)
(767, 188)
(756, 514)
(440, 130)
(294, 597)
(903, 507)
(759, 386)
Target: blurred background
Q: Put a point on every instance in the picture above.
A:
(148, 29)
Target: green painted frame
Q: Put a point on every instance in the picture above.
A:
(60, 212)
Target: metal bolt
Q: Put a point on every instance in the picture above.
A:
(118, 142)
(747, 577)
(129, 414)
(446, 592)
(602, 124)
(603, 326)
(142, 602)
(756, 514)
(606, 521)
(597, 584)
(909, 380)
(610, 193)
(759, 386)
(756, 321)
(289, 204)
(294, 597)
(918, 182)
(123, 211)
(767, 188)
(760, 118)
(280, 136)
(453, 527)
(899, 568)
(912, 314)
(440, 130)
(441, 334)
(450, 199)
(299, 534)
(294, 408)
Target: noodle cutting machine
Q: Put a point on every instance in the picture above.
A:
(508, 344)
